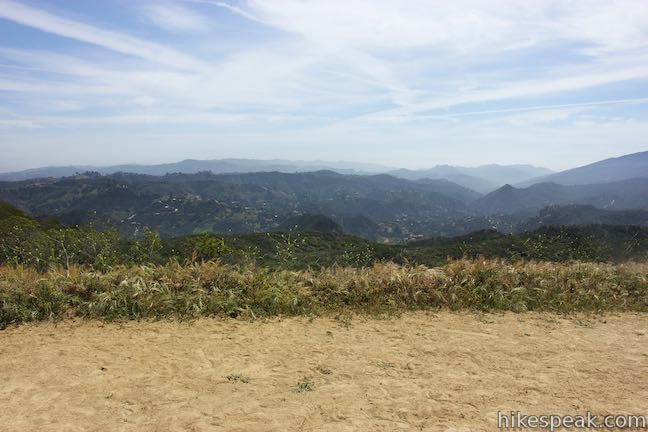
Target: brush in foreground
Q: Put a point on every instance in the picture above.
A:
(217, 289)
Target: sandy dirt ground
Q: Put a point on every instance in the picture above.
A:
(442, 371)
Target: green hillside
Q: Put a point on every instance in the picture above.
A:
(387, 208)
(41, 245)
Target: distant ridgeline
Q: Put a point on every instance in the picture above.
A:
(309, 241)
(381, 207)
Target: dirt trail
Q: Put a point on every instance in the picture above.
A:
(443, 371)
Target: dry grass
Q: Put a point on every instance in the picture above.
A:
(217, 289)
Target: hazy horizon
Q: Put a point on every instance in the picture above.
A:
(331, 162)
(312, 161)
(554, 84)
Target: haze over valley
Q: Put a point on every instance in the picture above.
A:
(387, 205)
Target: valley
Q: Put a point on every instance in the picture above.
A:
(377, 207)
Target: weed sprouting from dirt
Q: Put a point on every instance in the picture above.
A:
(305, 385)
(238, 378)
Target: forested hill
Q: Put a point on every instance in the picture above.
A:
(314, 241)
(621, 195)
(379, 207)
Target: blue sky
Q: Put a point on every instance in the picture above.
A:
(412, 84)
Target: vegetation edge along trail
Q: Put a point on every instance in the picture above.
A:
(213, 288)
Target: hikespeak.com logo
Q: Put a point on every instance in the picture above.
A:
(515, 420)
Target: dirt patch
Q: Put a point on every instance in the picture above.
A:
(442, 371)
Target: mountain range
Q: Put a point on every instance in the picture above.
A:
(605, 171)
(192, 166)
(482, 179)
(618, 195)
(383, 207)
(379, 206)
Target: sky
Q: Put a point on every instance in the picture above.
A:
(410, 84)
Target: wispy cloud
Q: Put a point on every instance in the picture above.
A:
(235, 9)
(556, 108)
(348, 77)
(174, 17)
(460, 26)
(109, 39)
(524, 89)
